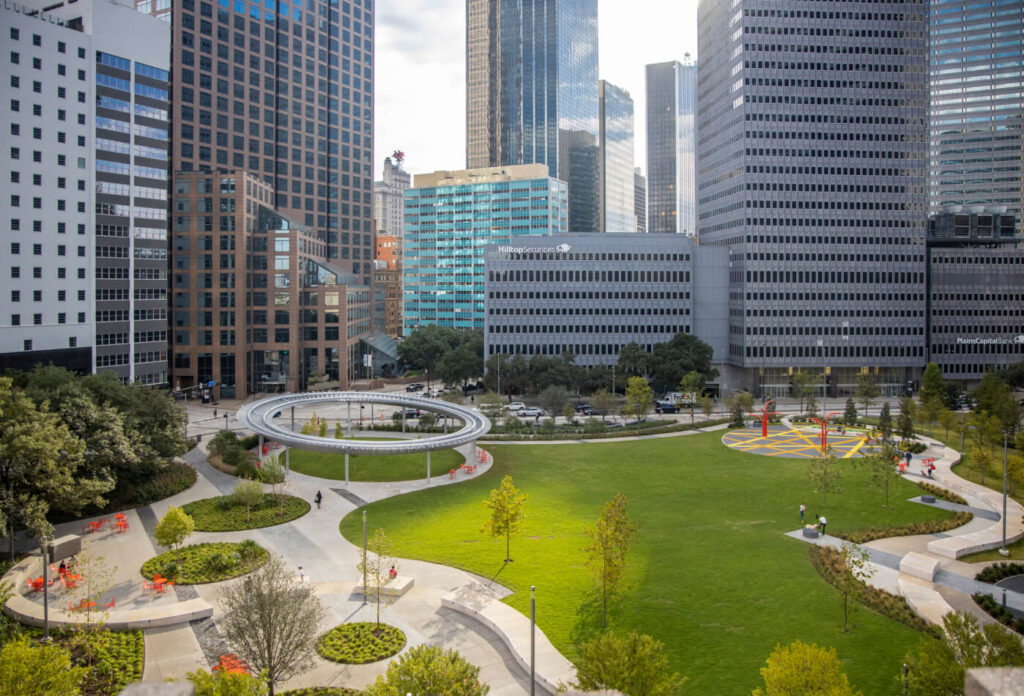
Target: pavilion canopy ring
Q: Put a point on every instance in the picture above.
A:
(259, 417)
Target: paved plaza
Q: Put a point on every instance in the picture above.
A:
(795, 442)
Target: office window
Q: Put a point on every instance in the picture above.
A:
(27, 344)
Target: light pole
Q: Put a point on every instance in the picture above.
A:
(533, 641)
(46, 589)
(962, 426)
(364, 557)
(1004, 551)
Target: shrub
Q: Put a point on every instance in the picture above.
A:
(997, 612)
(248, 550)
(862, 536)
(322, 691)
(234, 455)
(941, 493)
(360, 642)
(193, 569)
(220, 562)
(222, 441)
(249, 442)
(594, 426)
(1000, 571)
(172, 477)
(913, 446)
(827, 561)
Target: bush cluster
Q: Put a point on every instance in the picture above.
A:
(323, 691)
(1000, 571)
(361, 642)
(172, 477)
(828, 562)
(596, 432)
(941, 493)
(997, 612)
(862, 536)
(230, 560)
(223, 514)
(913, 446)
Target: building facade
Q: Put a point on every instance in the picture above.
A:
(592, 294)
(537, 99)
(48, 71)
(388, 197)
(976, 104)
(451, 217)
(617, 190)
(257, 306)
(823, 214)
(671, 148)
(975, 292)
(132, 54)
(640, 199)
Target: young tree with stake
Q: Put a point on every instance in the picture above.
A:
(376, 568)
(507, 507)
(606, 553)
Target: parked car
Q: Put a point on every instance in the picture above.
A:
(415, 386)
(515, 406)
(584, 409)
(412, 413)
(531, 412)
(665, 407)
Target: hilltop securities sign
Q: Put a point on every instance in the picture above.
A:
(560, 249)
(978, 341)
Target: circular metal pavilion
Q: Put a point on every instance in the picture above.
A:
(260, 416)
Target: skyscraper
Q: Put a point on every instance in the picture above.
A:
(388, 201)
(617, 178)
(284, 91)
(812, 166)
(545, 80)
(671, 148)
(640, 199)
(977, 105)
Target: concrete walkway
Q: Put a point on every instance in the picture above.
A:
(923, 568)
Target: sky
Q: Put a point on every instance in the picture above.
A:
(421, 71)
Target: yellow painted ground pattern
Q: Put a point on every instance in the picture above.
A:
(796, 443)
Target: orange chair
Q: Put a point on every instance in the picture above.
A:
(71, 607)
(112, 604)
(146, 586)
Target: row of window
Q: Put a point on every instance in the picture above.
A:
(37, 319)
(37, 272)
(37, 249)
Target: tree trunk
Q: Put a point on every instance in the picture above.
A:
(508, 539)
(845, 599)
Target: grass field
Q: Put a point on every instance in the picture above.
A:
(712, 575)
(385, 467)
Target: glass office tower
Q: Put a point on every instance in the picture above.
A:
(545, 76)
(618, 188)
(672, 147)
(976, 61)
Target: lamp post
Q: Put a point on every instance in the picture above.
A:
(962, 433)
(364, 556)
(533, 641)
(46, 589)
(1003, 551)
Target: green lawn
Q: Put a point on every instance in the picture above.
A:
(712, 575)
(386, 467)
(222, 514)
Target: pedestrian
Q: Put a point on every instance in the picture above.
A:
(318, 498)
(822, 522)
(214, 413)
(803, 509)
(302, 576)
(471, 399)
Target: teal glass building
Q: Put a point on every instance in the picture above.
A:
(451, 218)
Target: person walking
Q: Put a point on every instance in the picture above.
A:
(803, 509)
(821, 523)
(318, 498)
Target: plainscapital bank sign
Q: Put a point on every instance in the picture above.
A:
(560, 249)
(978, 341)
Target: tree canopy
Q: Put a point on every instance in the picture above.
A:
(804, 669)
(426, 345)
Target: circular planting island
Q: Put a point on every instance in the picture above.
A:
(203, 563)
(373, 467)
(360, 643)
(223, 514)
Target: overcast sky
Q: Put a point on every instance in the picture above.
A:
(421, 70)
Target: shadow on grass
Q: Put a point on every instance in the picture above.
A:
(589, 616)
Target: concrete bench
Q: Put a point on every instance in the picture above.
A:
(919, 566)
(30, 613)
(513, 628)
(923, 599)
(396, 588)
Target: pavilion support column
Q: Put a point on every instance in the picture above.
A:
(259, 450)
(428, 467)
(346, 468)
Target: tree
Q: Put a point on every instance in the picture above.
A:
(811, 406)
(692, 383)
(507, 506)
(867, 390)
(854, 571)
(490, 404)
(634, 361)
(938, 666)
(606, 553)
(174, 528)
(461, 364)
(905, 422)
(222, 683)
(604, 401)
(825, 475)
(883, 469)
(31, 670)
(426, 669)
(930, 411)
(947, 419)
(739, 405)
(273, 620)
(639, 398)
(885, 421)
(850, 414)
(804, 385)
(635, 664)
(932, 386)
(40, 459)
(426, 345)
(377, 568)
(804, 670)
(248, 493)
(995, 397)
(982, 457)
(569, 413)
(707, 406)
(553, 398)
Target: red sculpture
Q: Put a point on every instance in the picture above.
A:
(824, 430)
(398, 156)
(764, 416)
